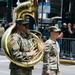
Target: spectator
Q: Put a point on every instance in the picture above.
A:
(73, 31)
(69, 29)
(59, 39)
(2, 30)
(72, 43)
(46, 33)
(40, 29)
(64, 29)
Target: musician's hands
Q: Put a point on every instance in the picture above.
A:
(32, 53)
(48, 72)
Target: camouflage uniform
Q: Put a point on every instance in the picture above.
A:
(20, 44)
(51, 57)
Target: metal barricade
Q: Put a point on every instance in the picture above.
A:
(67, 48)
(0, 42)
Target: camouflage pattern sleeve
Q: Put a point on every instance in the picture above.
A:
(15, 51)
(46, 56)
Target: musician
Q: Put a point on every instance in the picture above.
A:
(20, 44)
(51, 53)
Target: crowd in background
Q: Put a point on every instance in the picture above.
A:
(3, 28)
(67, 32)
(65, 39)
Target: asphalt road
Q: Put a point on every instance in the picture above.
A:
(66, 69)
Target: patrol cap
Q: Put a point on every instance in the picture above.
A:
(54, 29)
(21, 22)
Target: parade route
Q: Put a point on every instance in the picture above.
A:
(66, 69)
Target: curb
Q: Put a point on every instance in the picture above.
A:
(69, 61)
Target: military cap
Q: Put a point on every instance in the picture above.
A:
(21, 21)
(54, 29)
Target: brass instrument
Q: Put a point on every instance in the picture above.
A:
(23, 9)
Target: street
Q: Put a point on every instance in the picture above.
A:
(66, 69)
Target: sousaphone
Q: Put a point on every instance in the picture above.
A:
(23, 10)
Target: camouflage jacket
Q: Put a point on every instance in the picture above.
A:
(51, 55)
(19, 45)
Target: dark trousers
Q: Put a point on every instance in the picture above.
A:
(20, 71)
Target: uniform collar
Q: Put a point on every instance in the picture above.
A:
(53, 41)
(24, 36)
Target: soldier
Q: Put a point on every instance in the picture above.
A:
(20, 44)
(51, 53)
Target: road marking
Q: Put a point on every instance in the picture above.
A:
(4, 61)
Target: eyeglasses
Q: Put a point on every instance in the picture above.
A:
(58, 32)
(25, 24)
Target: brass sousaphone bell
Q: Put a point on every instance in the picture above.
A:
(23, 9)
